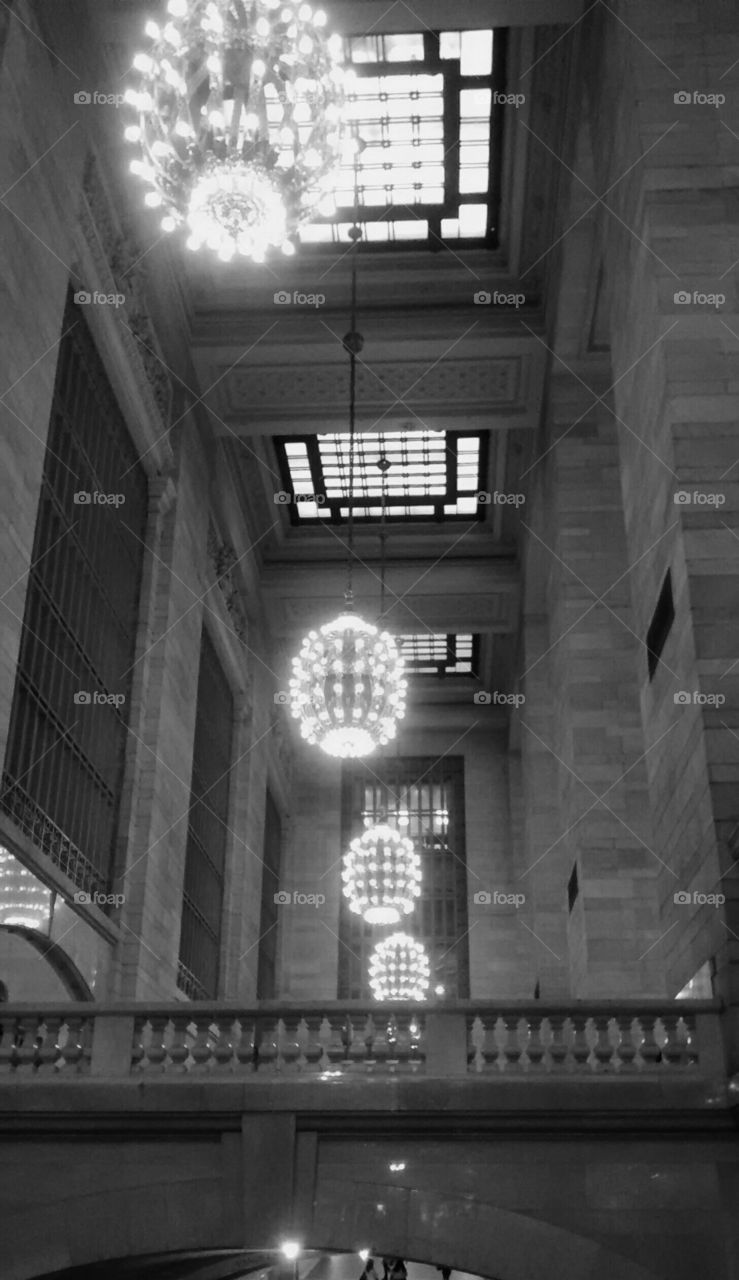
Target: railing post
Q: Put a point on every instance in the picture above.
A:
(446, 1044)
(112, 1044)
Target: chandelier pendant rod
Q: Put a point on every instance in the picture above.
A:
(353, 343)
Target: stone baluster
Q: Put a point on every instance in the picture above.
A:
(48, 1054)
(558, 1050)
(580, 1045)
(289, 1044)
(267, 1045)
(7, 1045)
(649, 1051)
(371, 1037)
(417, 1030)
(201, 1049)
(603, 1049)
(138, 1050)
(223, 1049)
(156, 1048)
(358, 1051)
(245, 1054)
(335, 1045)
(402, 1038)
(673, 1050)
(313, 1050)
(178, 1045)
(475, 1034)
(73, 1047)
(512, 1048)
(26, 1044)
(626, 1049)
(535, 1049)
(691, 1039)
(382, 1050)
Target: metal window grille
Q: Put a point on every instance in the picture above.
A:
(207, 830)
(66, 744)
(424, 799)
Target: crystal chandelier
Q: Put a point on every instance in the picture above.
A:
(382, 875)
(399, 969)
(347, 688)
(239, 121)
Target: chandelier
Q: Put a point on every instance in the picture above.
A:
(399, 969)
(382, 875)
(347, 687)
(239, 121)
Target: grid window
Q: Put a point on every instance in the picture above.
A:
(426, 105)
(69, 722)
(207, 830)
(432, 475)
(423, 799)
(441, 655)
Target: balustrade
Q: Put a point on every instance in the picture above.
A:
(330, 1041)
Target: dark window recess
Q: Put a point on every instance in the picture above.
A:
(66, 748)
(573, 888)
(424, 799)
(207, 830)
(271, 858)
(659, 627)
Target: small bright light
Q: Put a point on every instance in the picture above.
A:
(178, 8)
(132, 133)
(143, 62)
(439, 990)
(153, 199)
(258, 67)
(290, 1250)
(169, 224)
(397, 1166)
(305, 45)
(364, 1254)
(319, 18)
(288, 249)
(263, 27)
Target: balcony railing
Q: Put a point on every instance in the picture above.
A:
(331, 1040)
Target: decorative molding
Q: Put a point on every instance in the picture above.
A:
(222, 559)
(120, 262)
(303, 390)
